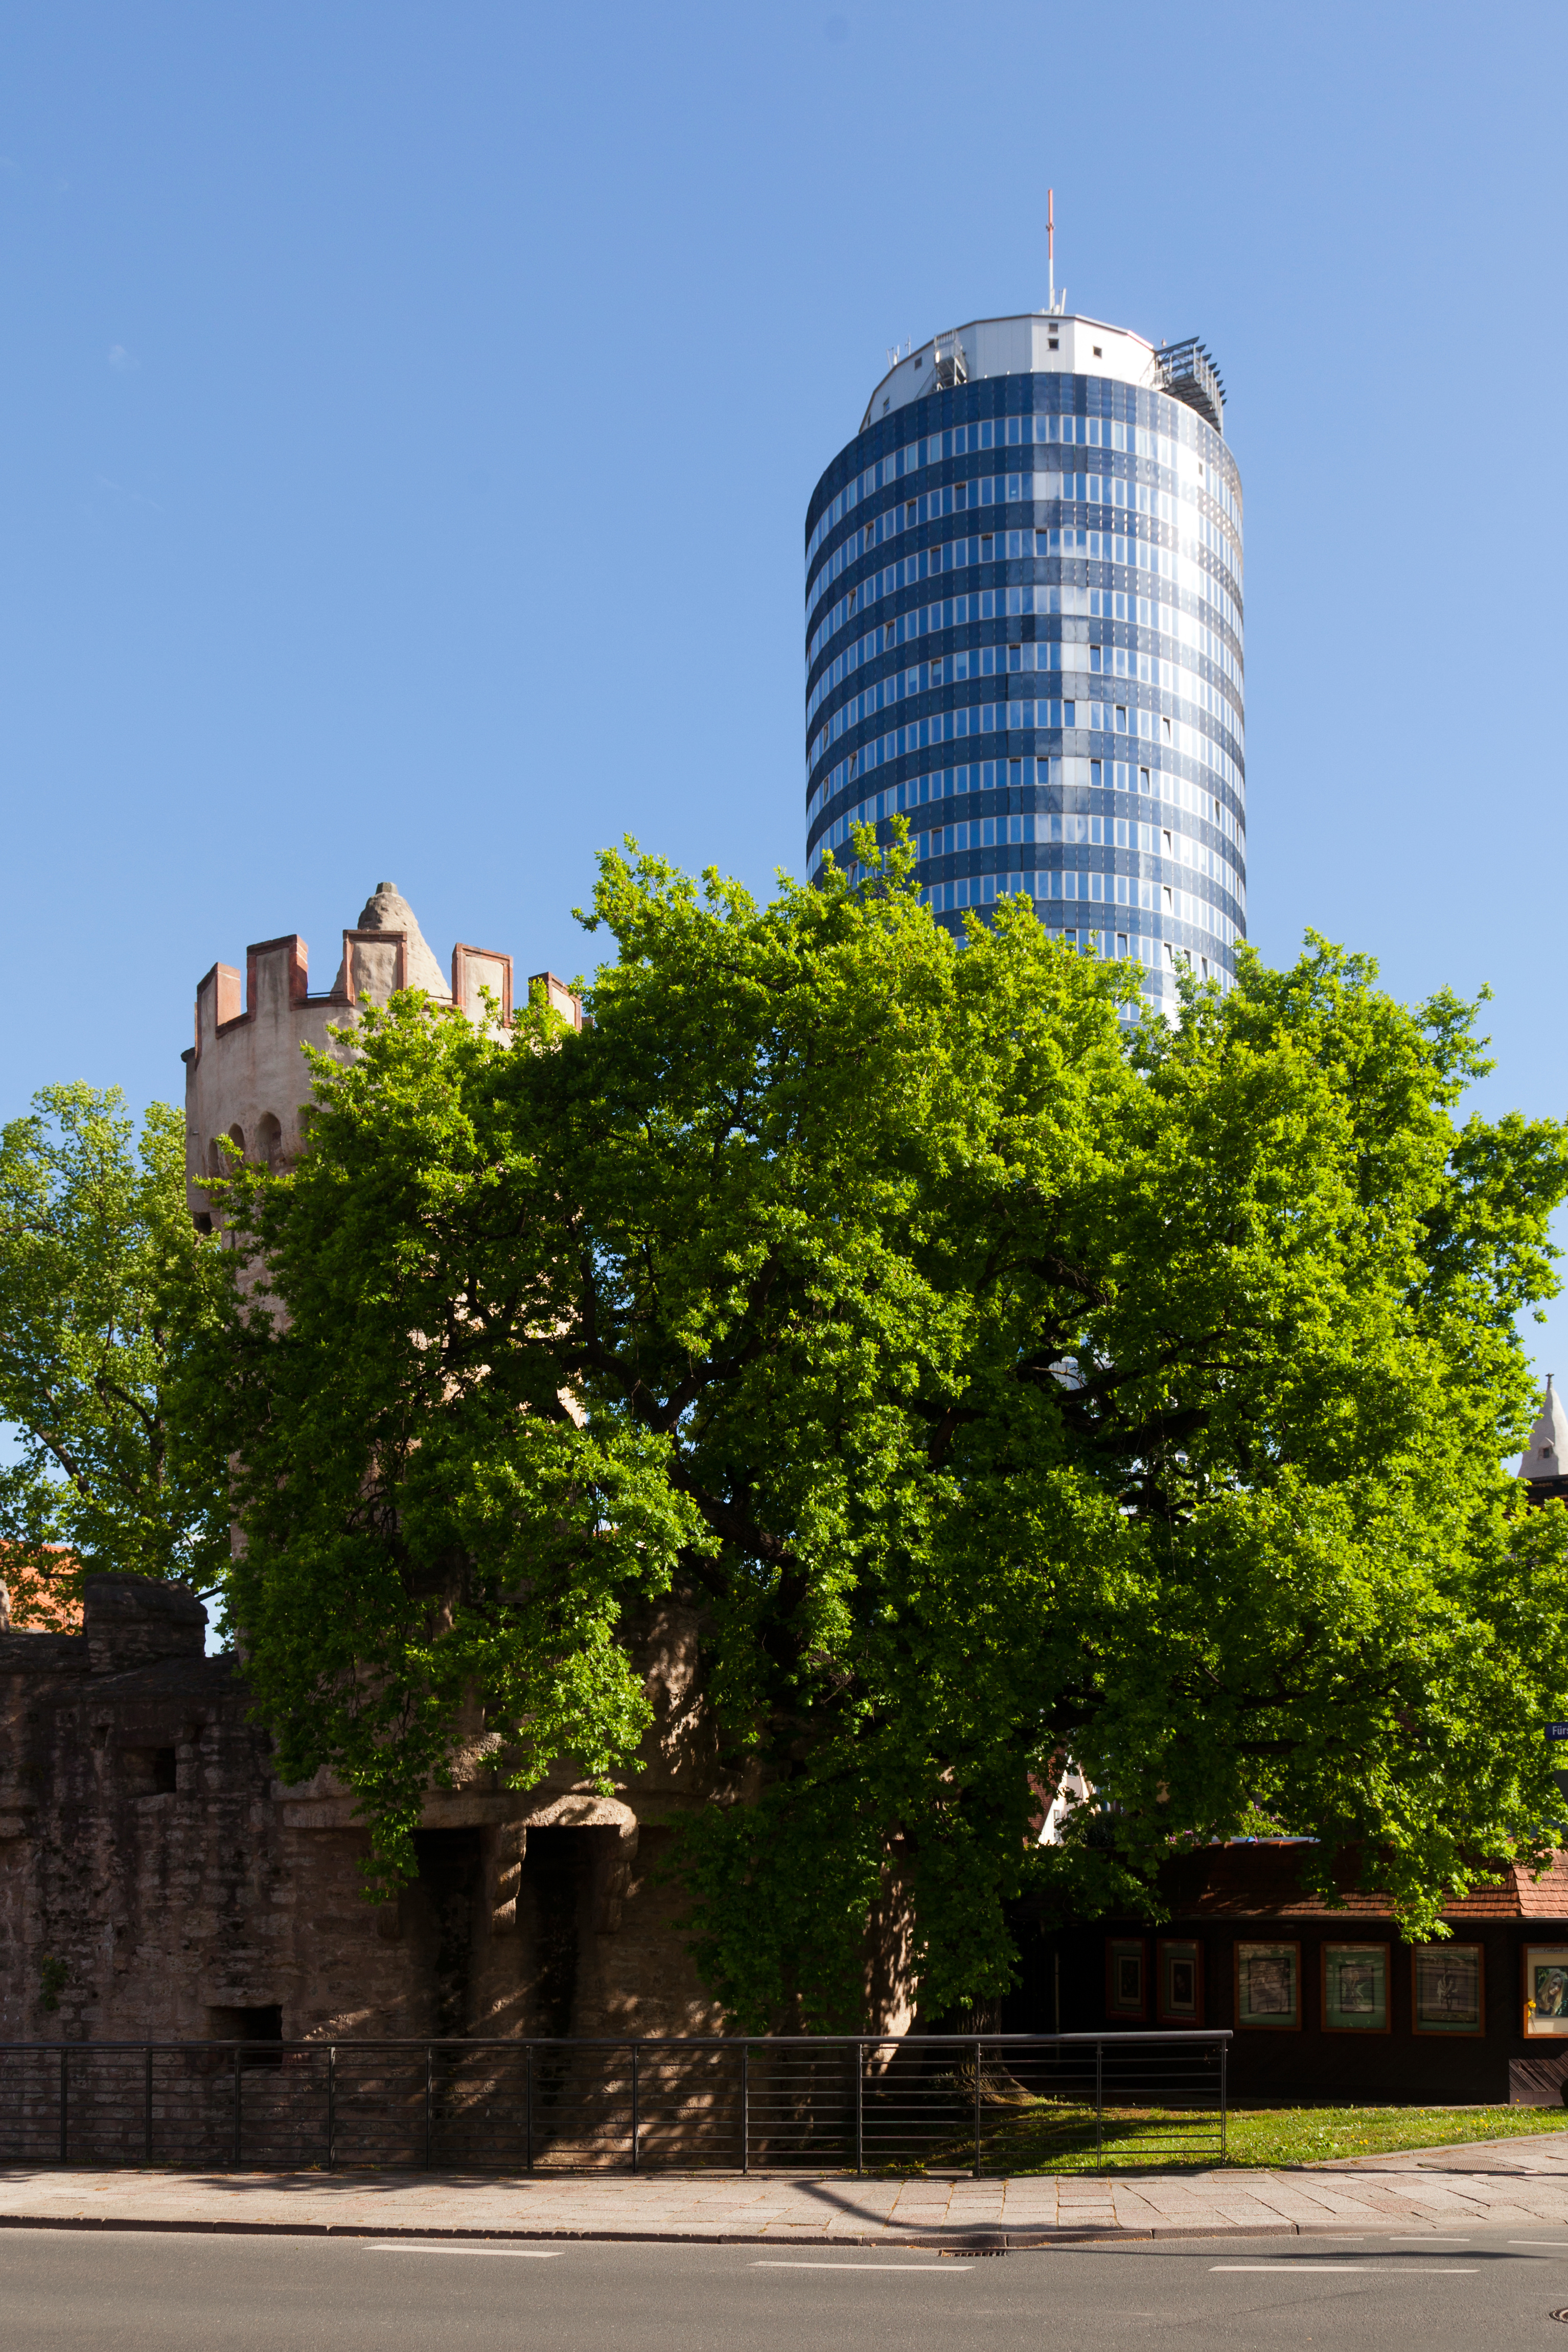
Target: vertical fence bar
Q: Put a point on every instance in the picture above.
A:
(1099, 2104)
(745, 2106)
(634, 2106)
(429, 2098)
(977, 2106)
(147, 2111)
(528, 2098)
(1224, 2054)
(237, 2107)
(860, 2050)
(332, 2105)
(63, 2128)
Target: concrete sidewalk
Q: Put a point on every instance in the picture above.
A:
(1497, 2185)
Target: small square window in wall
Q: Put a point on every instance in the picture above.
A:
(1546, 1991)
(1448, 1985)
(1268, 1987)
(1126, 1977)
(1178, 1981)
(1355, 1988)
(149, 1771)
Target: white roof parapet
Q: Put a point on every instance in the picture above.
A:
(1034, 343)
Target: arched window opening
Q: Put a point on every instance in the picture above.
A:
(270, 1143)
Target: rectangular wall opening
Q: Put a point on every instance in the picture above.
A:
(444, 1903)
(149, 1771)
(260, 2025)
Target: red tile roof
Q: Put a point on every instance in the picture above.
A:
(33, 1609)
(1262, 1879)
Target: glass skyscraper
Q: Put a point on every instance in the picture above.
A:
(1024, 632)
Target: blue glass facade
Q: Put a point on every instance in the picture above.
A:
(1024, 632)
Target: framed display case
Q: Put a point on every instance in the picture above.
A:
(1268, 1987)
(1546, 1991)
(1355, 1988)
(1178, 1981)
(1448, 1989)
(1126, 1978)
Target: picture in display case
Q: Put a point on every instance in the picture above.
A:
(1355, 1988)
(1269, 1986)
(1178, 1981)
(1447, 1989)
(1546, 1991)
(1126, 1976)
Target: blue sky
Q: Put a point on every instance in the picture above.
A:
(409, 412)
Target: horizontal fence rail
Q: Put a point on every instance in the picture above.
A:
(947, 2101)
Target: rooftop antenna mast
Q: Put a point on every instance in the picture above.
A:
(1054, 307)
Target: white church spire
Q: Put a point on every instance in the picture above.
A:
(1548, 1453)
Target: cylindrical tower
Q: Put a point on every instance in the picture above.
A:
(1024, 632)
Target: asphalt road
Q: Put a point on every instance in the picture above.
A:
(64, 2289)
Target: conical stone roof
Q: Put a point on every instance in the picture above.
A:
(386, 909)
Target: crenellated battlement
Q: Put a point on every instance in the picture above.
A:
(245, 1075)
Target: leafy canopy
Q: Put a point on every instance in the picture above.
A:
(1002, 1378)
(102, 1280)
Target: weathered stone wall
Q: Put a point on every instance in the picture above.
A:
(148, 1852)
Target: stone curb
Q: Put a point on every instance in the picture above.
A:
(958, 2242)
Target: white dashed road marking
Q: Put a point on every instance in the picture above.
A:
(1307, 2268)
(518, 2253)
(870, 2270)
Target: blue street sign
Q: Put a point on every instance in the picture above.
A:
(1557, 1731)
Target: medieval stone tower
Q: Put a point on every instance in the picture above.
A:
(156, 1878)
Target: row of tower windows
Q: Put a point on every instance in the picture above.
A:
(1052, 890)
(1195, 643)
(1108, 832)
(1157, 955)
(1047, 893)
(955, 721)
(1079, 490)
(949, 723)
(1177, 456)
(1011, 546)
(1182, 674)
(1076, 787)
(1152, 889)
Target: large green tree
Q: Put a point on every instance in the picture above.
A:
(1002, 1376)
(103, 1283)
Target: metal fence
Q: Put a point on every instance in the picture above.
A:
(977, 2103)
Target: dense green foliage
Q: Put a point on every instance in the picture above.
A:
(101, 1285)
(1000, 1379)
